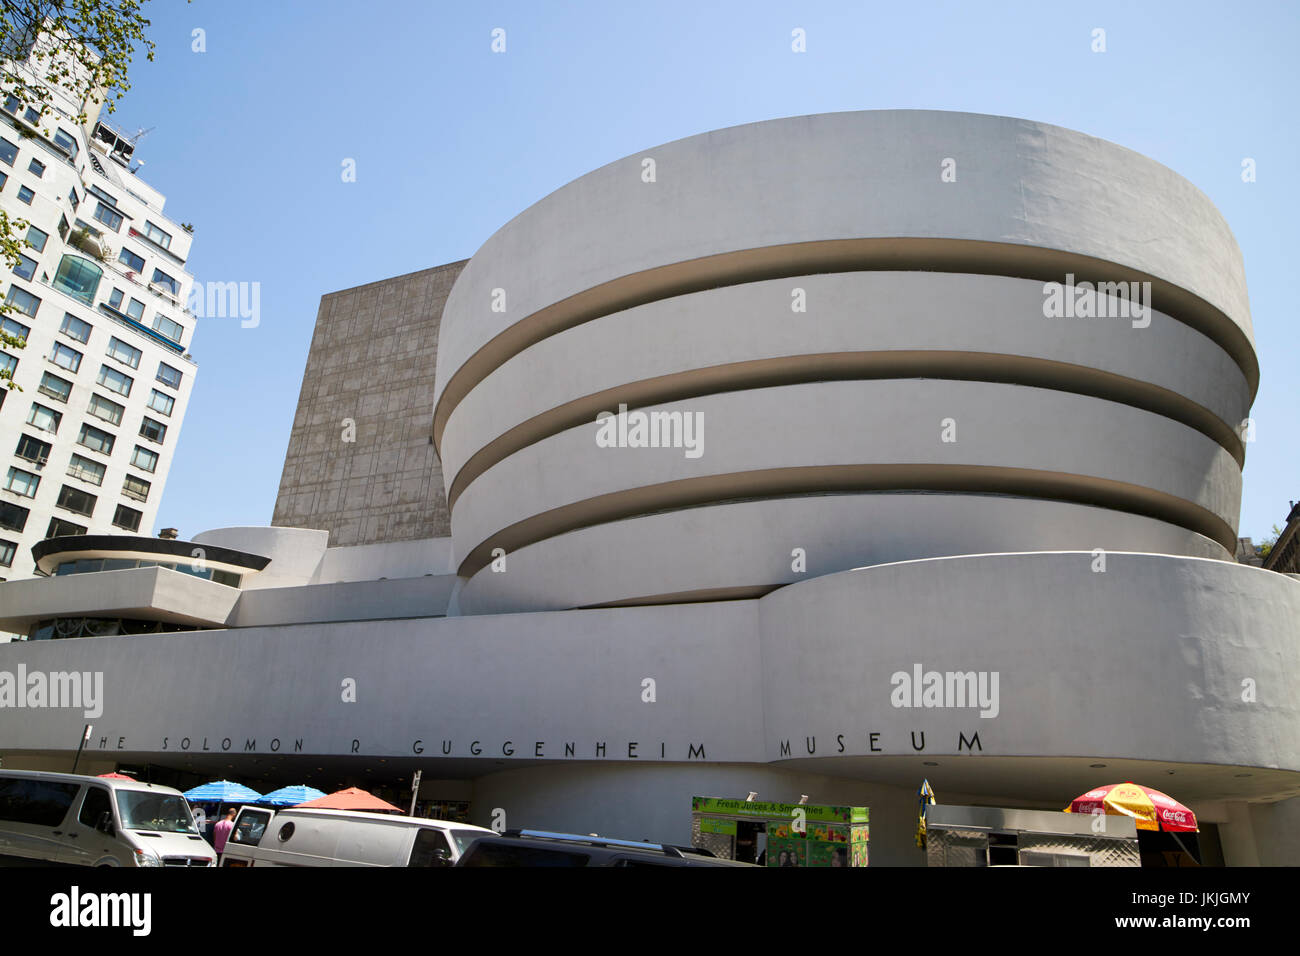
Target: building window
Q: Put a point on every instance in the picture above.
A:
(77, 501)
(46, 419)
(33, 450)
(25, 195)
(136, 488)
(66, 141)
(78, 278)
(129, 259)
(114, 380)
(59, 528)
(163, 404)
(8, 363)
(12, 516)
(126, 354)
(37, 238)
(101, 407)
(166, 327)
(156, 235)
(96, 440)
(152, 430)
(65, 357)
(169, 376)
(7, 551)
(167, 282)
(86, 470)
(23, 301)
(56, 388)
(135, 309)
(4, 178)
(103, 195)
(108, 216)
(16, 329)
(74, 198)
(75, 328)
(22, 482)
(64, 228)
(115, 299)
(8, 152)
(144, 459)
(127, 518)
(26, 267)
(32, 115)
(36, 168)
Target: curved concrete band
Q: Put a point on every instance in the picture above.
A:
(1172, 687)
(859, 435)
(1032, 200)
(847, 305)
(748, 548)
(854, 325)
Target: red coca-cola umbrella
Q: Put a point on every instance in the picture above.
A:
(1149, 808)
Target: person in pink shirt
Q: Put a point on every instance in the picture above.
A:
(221, 832)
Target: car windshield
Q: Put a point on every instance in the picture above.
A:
(464, 838)
(161, 812)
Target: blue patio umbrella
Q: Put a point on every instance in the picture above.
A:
(222, 791)
(292, 796)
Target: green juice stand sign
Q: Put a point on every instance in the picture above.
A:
(797, 834)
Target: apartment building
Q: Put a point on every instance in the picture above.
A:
(99, 297)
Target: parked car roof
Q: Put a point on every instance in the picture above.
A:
(547, 848)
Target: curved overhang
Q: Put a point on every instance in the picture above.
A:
(51, 552)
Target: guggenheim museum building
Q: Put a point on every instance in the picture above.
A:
(817, 456)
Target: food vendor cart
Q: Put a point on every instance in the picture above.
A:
(992, 836)
(783, 834)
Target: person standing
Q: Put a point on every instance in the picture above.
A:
(221, 832)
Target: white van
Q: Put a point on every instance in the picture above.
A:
(48, 819)
(310, 837)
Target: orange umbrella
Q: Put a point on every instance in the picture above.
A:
(353, 798)
(116, 776)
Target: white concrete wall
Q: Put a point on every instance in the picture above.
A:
(1139, 667)
(296, 553)
(816, 292)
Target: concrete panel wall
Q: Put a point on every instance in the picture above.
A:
(372, 361)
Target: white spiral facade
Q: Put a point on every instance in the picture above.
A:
(857, 311)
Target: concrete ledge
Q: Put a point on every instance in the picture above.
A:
(150, 594)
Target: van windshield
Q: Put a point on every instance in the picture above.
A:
(464, 838)
(159, 812)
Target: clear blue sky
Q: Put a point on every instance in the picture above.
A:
(451, 141)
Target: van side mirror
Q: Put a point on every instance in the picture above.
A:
(105, 824)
